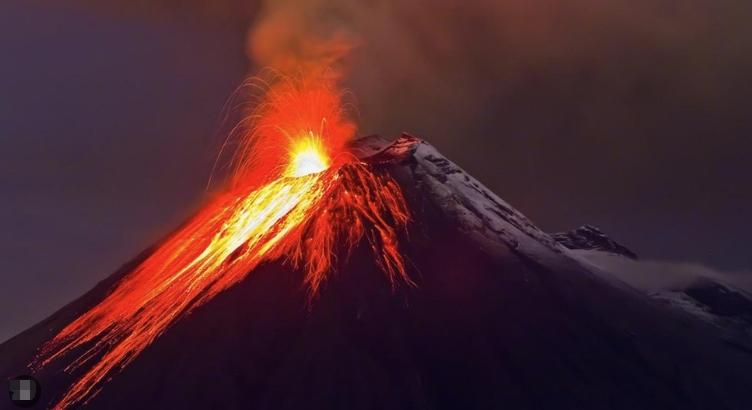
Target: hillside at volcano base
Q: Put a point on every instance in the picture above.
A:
(500, 315)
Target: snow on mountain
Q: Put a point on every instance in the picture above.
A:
(589, 237)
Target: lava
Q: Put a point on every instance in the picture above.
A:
(295, 193)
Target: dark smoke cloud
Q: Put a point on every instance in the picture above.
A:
(290, 36)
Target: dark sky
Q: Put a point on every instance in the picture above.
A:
(632, 116)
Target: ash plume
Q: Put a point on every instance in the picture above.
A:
(291, 36)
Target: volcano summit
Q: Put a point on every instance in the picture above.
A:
(492, 313)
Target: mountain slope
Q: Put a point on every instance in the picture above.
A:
(503, 316)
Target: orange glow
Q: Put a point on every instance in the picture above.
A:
(295, 194)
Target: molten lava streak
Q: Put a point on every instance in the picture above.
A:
(296, 193)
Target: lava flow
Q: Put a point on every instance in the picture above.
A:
(296, 193)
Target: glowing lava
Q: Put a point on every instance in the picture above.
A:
(307, 156)
(295, 193)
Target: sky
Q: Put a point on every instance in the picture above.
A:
(631, 116)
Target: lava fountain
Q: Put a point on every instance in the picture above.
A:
(295, 193)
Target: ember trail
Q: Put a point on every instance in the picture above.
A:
(295, 193)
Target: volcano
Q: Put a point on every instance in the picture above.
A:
(496, 314)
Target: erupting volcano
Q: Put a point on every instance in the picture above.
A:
(296, 193)
(341, 273)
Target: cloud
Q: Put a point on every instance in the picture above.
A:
(662, 276)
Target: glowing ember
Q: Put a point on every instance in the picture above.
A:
(295, 193)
